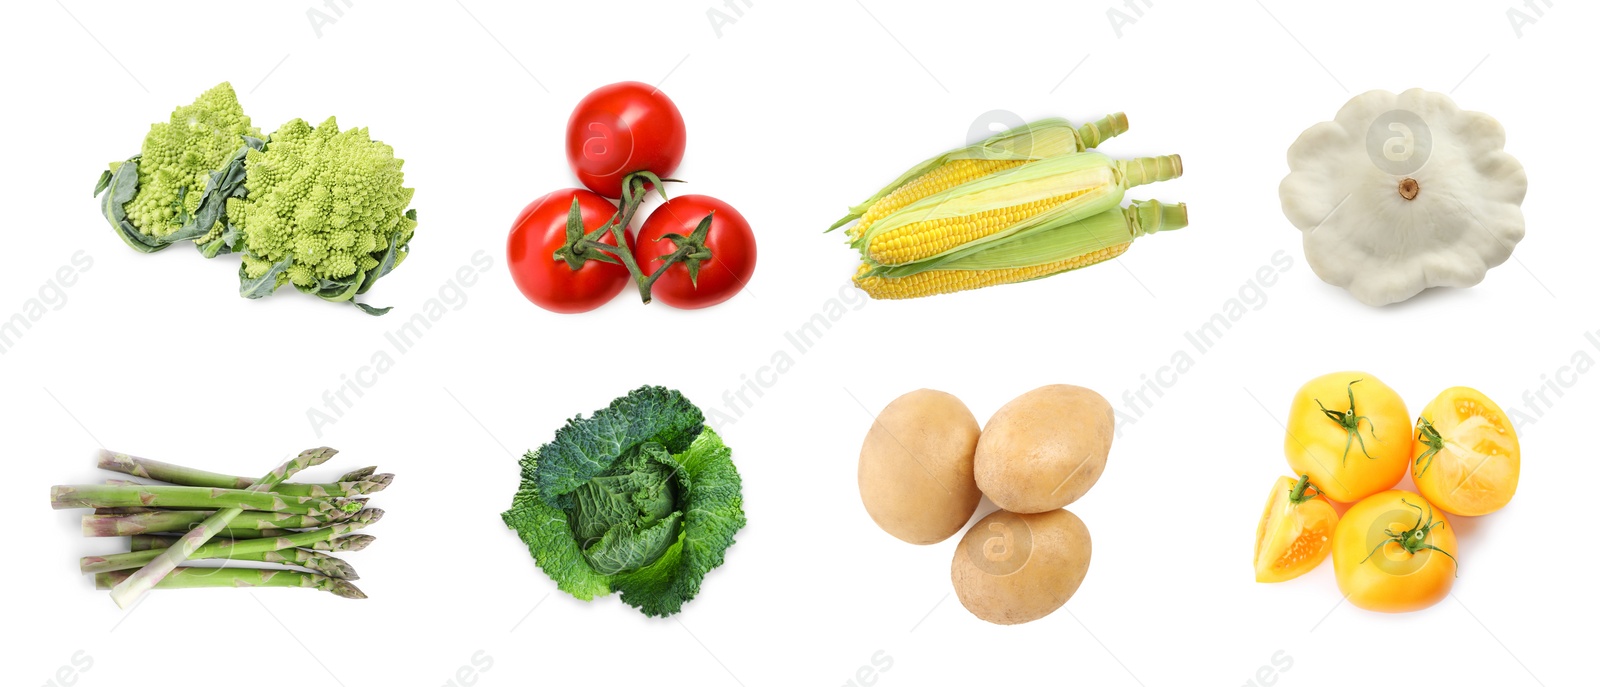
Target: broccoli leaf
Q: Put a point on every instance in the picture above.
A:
(586, 447)
(223, 184)
(124, 185)
(264, 285)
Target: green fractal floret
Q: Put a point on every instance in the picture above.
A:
(329, 202)
(315, 207)
(178, 157)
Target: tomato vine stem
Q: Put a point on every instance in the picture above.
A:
(581, 247)
(1302, 490)
(1351, 423)
(1427, 434)
(1415, 539)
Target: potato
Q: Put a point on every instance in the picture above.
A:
(1045, 448)
(916, 467)
(1015, 568)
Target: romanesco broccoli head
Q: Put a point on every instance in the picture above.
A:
(179, 155)
(330, 200)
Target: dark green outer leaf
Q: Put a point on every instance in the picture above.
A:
(391, 257)
(386, 264)
(587, 447)
(549, 538)
(713, 514)
(223, 184)
(266, 284)
(226, 243)
(334, 290)
(105, 181)
(124, 185)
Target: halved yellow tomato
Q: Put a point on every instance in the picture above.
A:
(1296, 530)
(1465, 457)
(1351, 433)
(1393, 552)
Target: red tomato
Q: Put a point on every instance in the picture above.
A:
(620, 129)
(732, 245)
(539, 232)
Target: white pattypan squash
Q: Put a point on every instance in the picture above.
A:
(1404, 192)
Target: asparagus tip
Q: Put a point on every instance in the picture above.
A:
(337, 569)
(346, 590)
(355, 542)
(318, 455)
(378, 483)
(358, 475)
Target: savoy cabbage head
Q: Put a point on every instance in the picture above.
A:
(640, 498)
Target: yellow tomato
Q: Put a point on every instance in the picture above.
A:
(1394, 553)
(1296, 531)
(1466, 458)
(1351, 433)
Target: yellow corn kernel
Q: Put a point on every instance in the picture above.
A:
(945, 176)
(928, 238)
(936, 282)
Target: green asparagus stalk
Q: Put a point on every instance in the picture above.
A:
(183, 520)
(151, 572)
(352, 483)
(228, 533)
(349, 542)
(159, 496)
(358, 475)
(227, 548)
(199, 578)
(315, 561)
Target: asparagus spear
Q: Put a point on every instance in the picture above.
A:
(182, 520)
(122, 511)
(158, 496)
(358, 475)
(197, 578)
(349, 542)
(129, 590)
(228, 548)
(315, 561)
(177, 474)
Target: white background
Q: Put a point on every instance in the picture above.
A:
(795, 111)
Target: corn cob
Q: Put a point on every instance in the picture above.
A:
(1067, 187)
(1041, 252)
(1011, 148)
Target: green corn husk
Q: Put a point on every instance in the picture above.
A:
(1055, 241)
(1038, 140)
(1101, 180)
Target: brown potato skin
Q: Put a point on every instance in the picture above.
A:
(1055, 558)
(900, 494)
(1045, 448)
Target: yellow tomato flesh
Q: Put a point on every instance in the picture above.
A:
(1360, 454)
(1292, 539)
(1476, 468)
(1376, 572)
